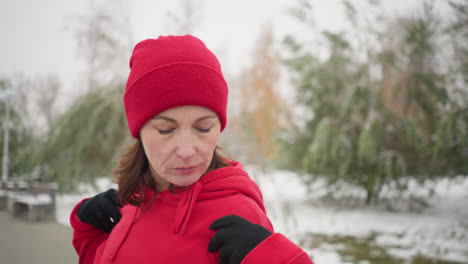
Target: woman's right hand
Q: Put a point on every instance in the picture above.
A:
(101, 211)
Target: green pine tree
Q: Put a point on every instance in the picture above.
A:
(375, 129)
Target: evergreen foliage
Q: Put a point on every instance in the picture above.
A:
(84, 142)
(380, 114)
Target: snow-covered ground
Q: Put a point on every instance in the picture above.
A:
(402, 224)
(66, 202)
(436, 227)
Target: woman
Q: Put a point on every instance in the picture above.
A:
(175, 190)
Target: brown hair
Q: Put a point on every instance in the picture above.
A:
(132, 172)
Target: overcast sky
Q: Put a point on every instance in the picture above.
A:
(33, 39)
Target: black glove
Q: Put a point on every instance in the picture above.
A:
(101, 210)
(236, 237)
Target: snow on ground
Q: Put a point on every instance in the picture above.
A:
(403, 225)
(34, 199)
(66, 202)
(438, 231)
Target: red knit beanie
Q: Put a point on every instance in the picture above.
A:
(172, 71)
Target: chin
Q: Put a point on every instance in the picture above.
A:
(185, 183)
(186, 180)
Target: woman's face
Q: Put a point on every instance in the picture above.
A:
(179, 144)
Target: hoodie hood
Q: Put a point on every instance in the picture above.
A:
(215, 184)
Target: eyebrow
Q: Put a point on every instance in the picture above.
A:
(175, 121)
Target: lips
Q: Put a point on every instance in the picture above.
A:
(186, 169)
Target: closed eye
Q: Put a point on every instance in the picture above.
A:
(204, 130)
(165, 131)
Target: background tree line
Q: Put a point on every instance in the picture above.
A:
(376, 104)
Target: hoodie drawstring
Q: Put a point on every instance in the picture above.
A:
(185, 207)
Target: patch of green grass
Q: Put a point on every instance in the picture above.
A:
(358, 249)
(423, 260)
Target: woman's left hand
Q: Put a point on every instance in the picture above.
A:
(235, 238)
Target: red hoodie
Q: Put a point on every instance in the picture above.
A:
(174, 229)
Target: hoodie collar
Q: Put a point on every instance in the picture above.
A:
(214, 184)
(185, 207)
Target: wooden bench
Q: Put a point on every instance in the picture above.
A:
(36, 204)
(8, 188)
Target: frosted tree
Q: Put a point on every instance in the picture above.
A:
(381, 114)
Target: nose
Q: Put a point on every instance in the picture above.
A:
(186, 147)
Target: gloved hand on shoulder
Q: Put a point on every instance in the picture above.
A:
(101, 211)
(235, 238)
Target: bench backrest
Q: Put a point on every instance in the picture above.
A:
(12, 185)
(46, 188)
